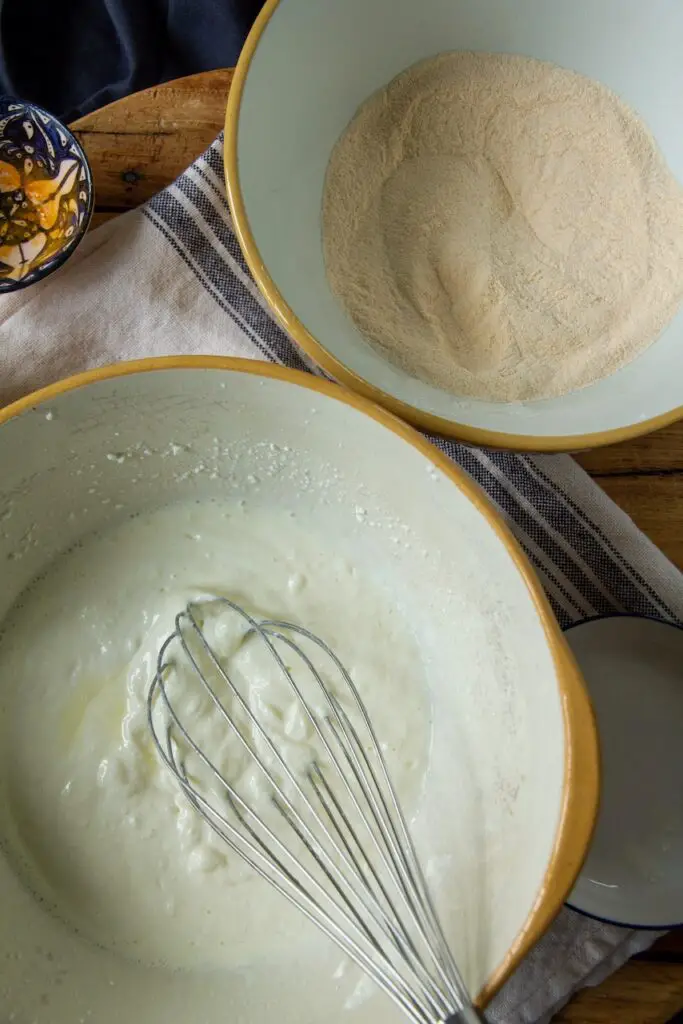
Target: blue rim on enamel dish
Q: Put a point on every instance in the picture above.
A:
(570, 906)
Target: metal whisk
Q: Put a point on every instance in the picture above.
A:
(331, 837)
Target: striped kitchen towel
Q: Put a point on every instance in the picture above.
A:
(170, 279)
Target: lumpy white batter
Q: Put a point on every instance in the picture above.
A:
(92, 822)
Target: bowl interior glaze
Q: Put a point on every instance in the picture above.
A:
(83, 454)
(304, 72)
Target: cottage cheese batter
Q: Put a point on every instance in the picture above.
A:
(91, 821)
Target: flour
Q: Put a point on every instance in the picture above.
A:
(502, 228)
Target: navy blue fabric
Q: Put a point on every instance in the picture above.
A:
(75, 56)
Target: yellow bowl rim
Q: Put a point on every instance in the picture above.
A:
(581, 782)
(331, 364)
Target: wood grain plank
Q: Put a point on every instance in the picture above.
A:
(639, 993)
(658, 452)
(131, 169)
(140, 144)
(194, 103)
(655, 503)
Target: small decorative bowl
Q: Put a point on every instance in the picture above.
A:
(46, 193)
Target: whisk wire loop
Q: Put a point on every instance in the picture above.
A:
(314, 847)
(363, 885)
(271, 868)
(389, 851)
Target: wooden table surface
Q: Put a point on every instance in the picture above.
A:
(138, 146)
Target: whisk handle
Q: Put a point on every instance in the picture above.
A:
(468, 1015)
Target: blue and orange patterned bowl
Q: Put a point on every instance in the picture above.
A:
(46, 193)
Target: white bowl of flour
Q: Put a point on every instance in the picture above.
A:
(131, 491)
(525, 208)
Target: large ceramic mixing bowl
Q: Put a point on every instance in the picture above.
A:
(304, 71)
(89, 451)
